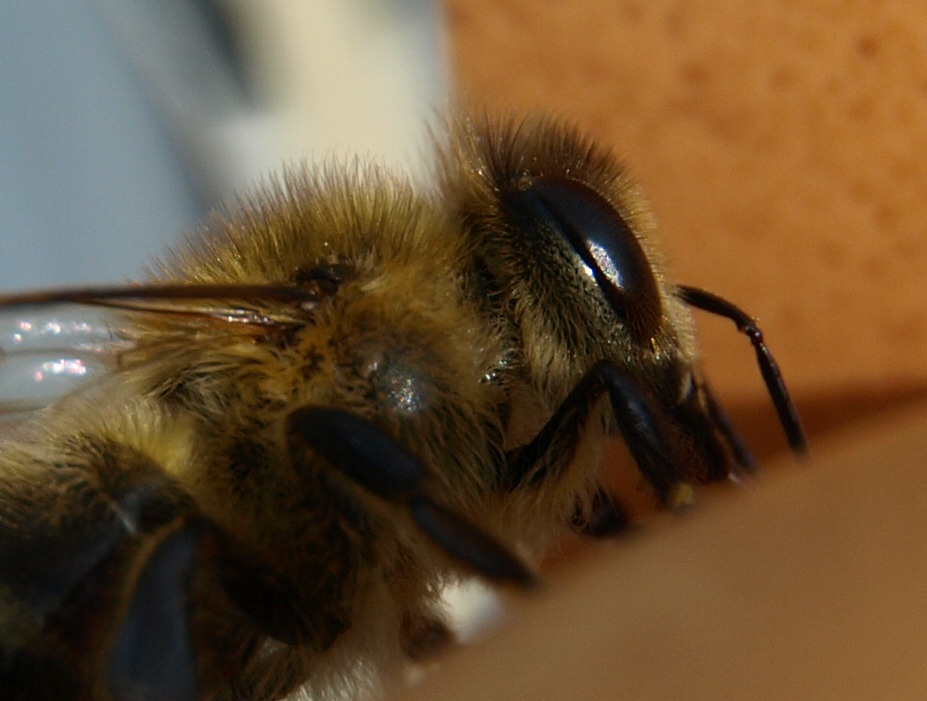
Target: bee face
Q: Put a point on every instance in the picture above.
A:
(568, 247)
(342, 396)
(558, 221)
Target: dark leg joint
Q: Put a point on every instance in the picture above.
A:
(376, 461)
(605, 519)
(640, 417)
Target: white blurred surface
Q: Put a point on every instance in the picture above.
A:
(125, 121)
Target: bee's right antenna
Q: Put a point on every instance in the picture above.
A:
(788, 416)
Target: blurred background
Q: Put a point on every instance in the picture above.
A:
(782, 147)
(125, 121)
(780, 143)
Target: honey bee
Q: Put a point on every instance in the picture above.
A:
(337, 398)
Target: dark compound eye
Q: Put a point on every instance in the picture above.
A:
(602, 240)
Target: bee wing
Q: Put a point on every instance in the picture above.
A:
(53, 341)
(49, 351)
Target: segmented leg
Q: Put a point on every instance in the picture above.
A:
(65, 535)
(644, 423)
(380, 464)
(114, 585)
(153, 657)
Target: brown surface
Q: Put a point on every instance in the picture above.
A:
(782, 145)
(810, 585)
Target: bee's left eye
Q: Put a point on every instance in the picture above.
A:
(604, 242)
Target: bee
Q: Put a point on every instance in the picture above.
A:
(338, 397)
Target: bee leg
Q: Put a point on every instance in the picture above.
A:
(424, 636)
(37, 574)
(376, 461)
(727, 457)
(265, 596)
(33, 588)
(156, 654)
(153, 656)
(644, 423)
(95, 567)
(61, 541)
(606, 517)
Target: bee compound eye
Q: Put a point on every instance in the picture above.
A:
(602, 240)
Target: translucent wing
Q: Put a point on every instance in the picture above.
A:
(53, 341)
(48, 351)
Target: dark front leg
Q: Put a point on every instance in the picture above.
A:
(713, 437)
(645, 424)
(380, 464)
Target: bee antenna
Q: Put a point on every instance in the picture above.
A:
(769, 368)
